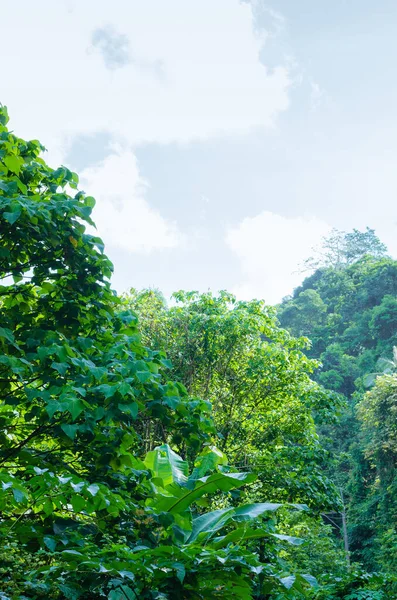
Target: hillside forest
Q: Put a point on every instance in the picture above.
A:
(198, 448)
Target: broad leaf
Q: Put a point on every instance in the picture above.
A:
(183, 498)
(165, 464)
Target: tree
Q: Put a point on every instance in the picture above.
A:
(361, 243)
(305, 313)
(377, 414)
(95, 501)
(354, 341)
(256, 377)
(341, 249)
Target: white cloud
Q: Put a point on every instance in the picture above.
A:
(211, 78)
(270, 249)
(122, 215)
(185, 71)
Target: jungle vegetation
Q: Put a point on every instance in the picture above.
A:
(202, 448)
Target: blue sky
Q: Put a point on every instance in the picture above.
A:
(221, 138)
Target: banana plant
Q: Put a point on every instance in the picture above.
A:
(386, 366)
(180, 494)
(175, 491)
(199, 554)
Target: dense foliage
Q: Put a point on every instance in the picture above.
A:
(111, 485)
(257, 378)
(349, 310)
(176, 455)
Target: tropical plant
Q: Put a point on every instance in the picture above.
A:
(94, 499)
(386, 366)
(353, 339)
(257, 378)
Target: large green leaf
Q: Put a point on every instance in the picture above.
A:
(210, 523)
(166, 465)
(252, 511)
(241, 534)
(210, 458)
(182, 499)
(14, 163)
(244, 533)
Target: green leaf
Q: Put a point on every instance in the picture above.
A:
(241, 534)
(124, 388)
(19, 493)
(93, 489)
(288, 582)
(3, 115)
(11, 217)
(89, 201)
(75, 406)
(23, 188)
(130, 409)
(70, 430)
(71, 553)
(71, 592)
(60, 367)
(13, 163)
(50, 543)
(122, 593)
(7, 334)
(288, 538)
(183, 498)
(180, 570)
(127, 575)
(98, 372)
(77, 487)
(252, 511)
(311, 580)
(167, 465)
(172, 401)
(143, 376)
(99, 244)
(166, 363)
(54, 405)
(107, 390)
(207, 461)
(48, 507)
(78, 503)
(210, 523)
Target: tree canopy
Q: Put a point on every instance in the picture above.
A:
(340, 249)
(160, 451)
(350, 315)
(111, 485)
(257, 378)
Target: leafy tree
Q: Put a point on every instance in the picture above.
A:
(377, 413)
(383, 319)
(258, 381)
(95, 501)
(354, 341)
(235, 351)
(341, 249)
(359, 243)
(307, 312)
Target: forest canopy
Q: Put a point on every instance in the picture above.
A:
(350, 313)
(194, 450)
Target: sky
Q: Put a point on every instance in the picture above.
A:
(222, 139)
